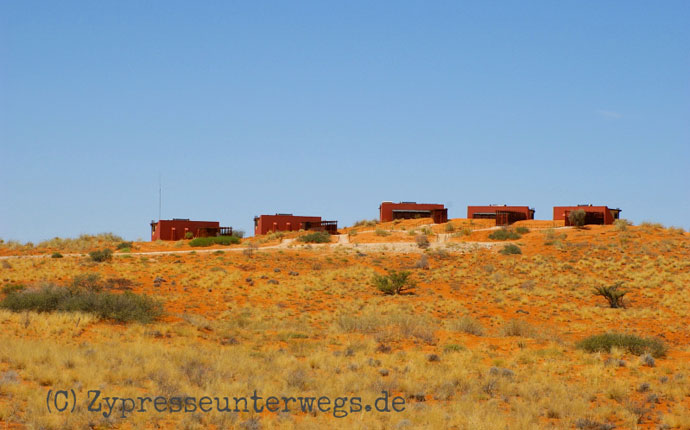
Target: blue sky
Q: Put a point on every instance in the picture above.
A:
(329, 108)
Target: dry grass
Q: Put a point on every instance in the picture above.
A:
(485, 342)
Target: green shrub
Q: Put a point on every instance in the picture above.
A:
(12, 288)
(189, 235)
(577, 217)
(56, 255)
(214, 240)
(631, 343)
(504, 234)
(511, 249)
(394, 282)
(119, 307)
(315, 237)
(613, 294)
(124, 245)
(521, 230)
(449, 228)
(101, 255)
(238, 233)
(382, 232)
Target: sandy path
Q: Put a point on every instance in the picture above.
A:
(342, 242)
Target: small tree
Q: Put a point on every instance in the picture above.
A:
(315, 237)
(577, 218)
(189, 235)
(613, 294)
(511, 249)
(101, 255)
(394, 282)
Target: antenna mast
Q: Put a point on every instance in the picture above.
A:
(160, 196)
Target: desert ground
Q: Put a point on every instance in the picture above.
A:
(482, 338)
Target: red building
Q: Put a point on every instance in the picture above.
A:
(593, 214)
(390, 211)
(288, 222)
(503, 215)
(177, 229)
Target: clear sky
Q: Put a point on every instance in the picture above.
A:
(329, 108)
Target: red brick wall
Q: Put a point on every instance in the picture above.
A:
(176, 229)
(386, 209)
(270, 223)
(471, 210)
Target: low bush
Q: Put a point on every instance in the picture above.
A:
(621, 224)
(82, 243)
(453, 347)
(631, 343)
(449, 228)
(613, 294)
(101, 255)
(504, 234)
(382, 232)
(56, 255)
(439, 253)
(394, 282)
(12, 288)
(517, 328)
(551, 238)
(366, 223)
(214, 240)
(463, 232)
(467, 325)
(510, 249)
(315, 237)
(422, 263)
(118, 307)
(422, 241)
(89, 282)
(119, 283)
(124, 245)
(275, 235)
(238, 233)
(521, 230)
